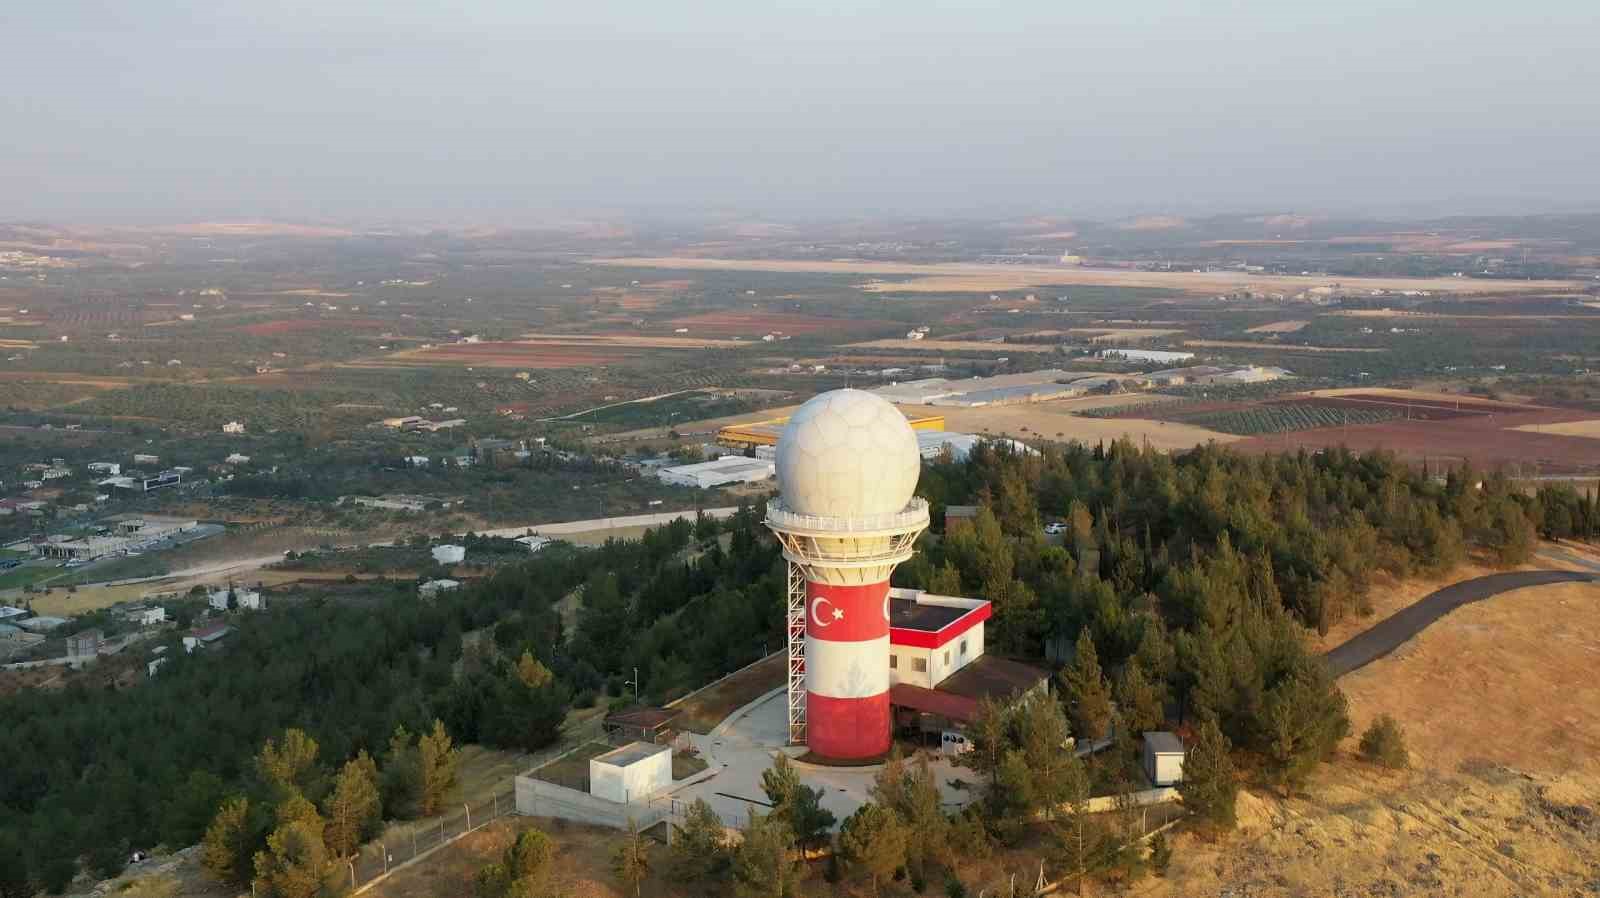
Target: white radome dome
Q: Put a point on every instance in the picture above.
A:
(847, 453)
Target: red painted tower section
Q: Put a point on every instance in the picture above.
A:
(847, 670)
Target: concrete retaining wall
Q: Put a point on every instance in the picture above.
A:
(537, 798)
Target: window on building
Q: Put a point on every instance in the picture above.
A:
(946, 657)
(963, 648)
(920, 665)
(894, 662)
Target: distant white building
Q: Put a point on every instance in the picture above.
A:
(148, 617)
(433, 587)
(1159, 356)
(534, 543)
(140, 458)
(247, 599)
(155, 665)
(728, 469)
(237, 459)
(418, 461)
(233, 427)
(449, 554)
(104, 467)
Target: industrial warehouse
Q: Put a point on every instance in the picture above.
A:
(115, 536)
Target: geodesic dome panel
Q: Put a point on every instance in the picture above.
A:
(847, 453)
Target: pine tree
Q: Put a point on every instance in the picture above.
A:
(698, 850)
(1384, 742)
(436, 765)
(763, 864)
(15, 881)
(225, 850)
(632, 860)
(1139, 700)
(402, 783)
(873, 839)
(1084, 688)
(296, 864)
(799, 806)
(352, 806)
(290, 765)
(1208, 788)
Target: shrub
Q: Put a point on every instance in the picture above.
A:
(1384, 743)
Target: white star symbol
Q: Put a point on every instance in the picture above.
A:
(838, 614)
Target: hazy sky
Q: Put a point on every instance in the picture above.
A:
(506, 110)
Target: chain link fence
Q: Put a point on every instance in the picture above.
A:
(401, 845)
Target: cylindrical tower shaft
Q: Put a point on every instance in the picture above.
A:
(847, 670)
(846, 563)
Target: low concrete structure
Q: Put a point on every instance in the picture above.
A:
(631, 773)
(433, 587)
(1163, 758)
(449, 554)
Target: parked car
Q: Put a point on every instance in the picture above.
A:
(1055, 527)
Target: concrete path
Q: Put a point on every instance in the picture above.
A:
(1388, 634)
(743, 746)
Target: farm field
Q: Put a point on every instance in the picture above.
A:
(1111, 334)
(644, 341)
(953, 346)
(1589, 429)
(507, 354)
(756, 324)
(1278, 327)
(1442, 434)
(1276, 347)
(958, 277)
(1056, 421)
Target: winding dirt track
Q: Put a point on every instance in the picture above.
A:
(1390, 633)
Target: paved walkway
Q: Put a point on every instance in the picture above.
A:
(742, 748)
(1388, 634)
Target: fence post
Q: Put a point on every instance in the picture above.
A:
(441, 830)
(413, 842)
(468, 806)
(385, 850)
(352, 864)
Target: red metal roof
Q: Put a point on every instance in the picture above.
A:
(956, 707)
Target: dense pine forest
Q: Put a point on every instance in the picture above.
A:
(1189, 579)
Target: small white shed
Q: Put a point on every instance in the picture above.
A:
(1163, 758)
(631, 773)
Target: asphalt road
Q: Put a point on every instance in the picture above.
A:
(1391, 632)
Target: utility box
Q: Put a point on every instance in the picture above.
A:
(631, 773)
(1163, 758)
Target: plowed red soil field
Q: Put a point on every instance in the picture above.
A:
(1486, 438)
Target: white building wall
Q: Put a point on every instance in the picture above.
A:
(939, 669)
(1165, 769)
(635, 782)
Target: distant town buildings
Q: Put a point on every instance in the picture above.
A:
(233, 427)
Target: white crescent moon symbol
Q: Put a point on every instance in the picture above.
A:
(816, 606)
(885, 606)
